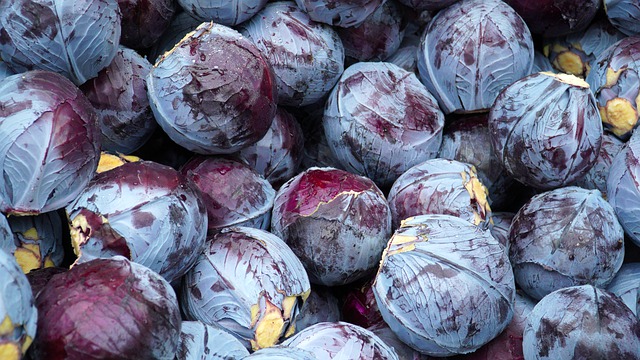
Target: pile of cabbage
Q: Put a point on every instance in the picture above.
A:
(319, 179)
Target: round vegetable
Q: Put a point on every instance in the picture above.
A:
(49, 142)
(74, 38)
(444, 286)
(248, 282)
(119, 95)
(339, 13)
(214, 92)
(107, 309)
(17, 309)
(380, 120)
(199, 341)
(233, 193)
(545, 129)
(336, 222)
(144, 211)
(565, 237)
(440, 186)
(341, 340)
(470, 51)
(581, 322)
(307, 57)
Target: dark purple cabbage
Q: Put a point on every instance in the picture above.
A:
(546, 130)
(626, 286)
(248, 282)
(225, 12)
(74, 38)
(431, 5)
(181, 25)
(144, 21)
(234, 193)
(17, 309)
(508, 345)
(581, 322)
(468, 140)
(472, 50)
(440, 186)
(49, 142)
(214, 92)
(615, 80)
(336, 222)
(596, 177)
(624, 15)
(380, 120)
(623, 188)
(36, 241)
(119, 95)
(565, 237)
(341, 340)
(377, 37)
(278, 155)
(307, 57)
(556, 17)
(199, 341)
(320, 306)
(144, 211)
(339, 13)
(575, 53)
(107, 309)
(444, 286)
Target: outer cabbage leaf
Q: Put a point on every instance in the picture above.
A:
(74, 38)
